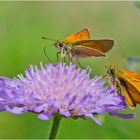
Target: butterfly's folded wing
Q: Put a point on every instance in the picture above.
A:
(100, 45)
(128, 97)
(82, 35)
(82, 51)
(130, 82)
(130, 77)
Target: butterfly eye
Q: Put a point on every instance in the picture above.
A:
(61, 45)
(111, 71)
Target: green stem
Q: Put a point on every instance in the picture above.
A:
(55, 126)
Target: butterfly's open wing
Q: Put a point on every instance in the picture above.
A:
(82, 35)
(130, 82)
(100, 45)
(82, 51)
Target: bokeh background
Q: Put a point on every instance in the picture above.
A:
(22, 24)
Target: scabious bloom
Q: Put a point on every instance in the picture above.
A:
(59, 89)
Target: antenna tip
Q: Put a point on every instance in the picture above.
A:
(43, 37)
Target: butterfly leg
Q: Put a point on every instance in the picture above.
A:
(115, 87)
(119, 87)
(79, 63)
(62, 59)
(106, 78)
(69, 57)
(57, 56)
(71, 60)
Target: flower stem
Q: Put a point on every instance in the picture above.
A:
(55, 126)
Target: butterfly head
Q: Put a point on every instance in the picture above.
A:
(60, 45)
(111, 71)
(62, 48)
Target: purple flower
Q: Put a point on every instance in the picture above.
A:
(59, 89)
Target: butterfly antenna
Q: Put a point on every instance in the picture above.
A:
(47, 55)
(48, 38)
(113, 61)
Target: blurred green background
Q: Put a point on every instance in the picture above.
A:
(22, 24)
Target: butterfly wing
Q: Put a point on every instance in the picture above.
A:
(130, 82)
(127, 95)
(100, 45)
(82, 35)
(82, 51)
(130, 77)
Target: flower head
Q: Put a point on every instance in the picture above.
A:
(59, 89)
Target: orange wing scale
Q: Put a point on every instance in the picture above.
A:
(130, 77)
(82, 35)
(83, 51)
(131, 94)
(101, 45)
(130, 83)
(128, 97)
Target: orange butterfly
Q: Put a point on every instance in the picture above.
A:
(79, 45)
(127, 83)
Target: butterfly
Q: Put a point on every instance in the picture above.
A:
(79, 45)
(126, 82)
